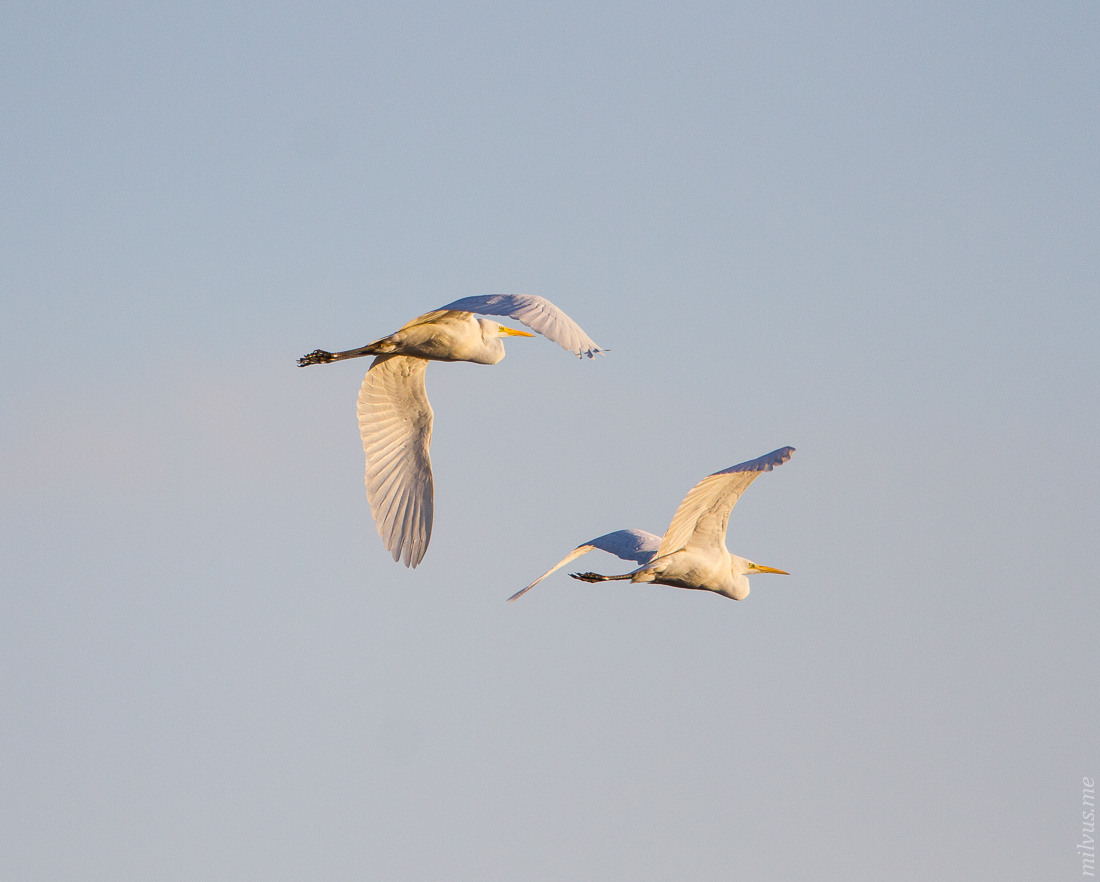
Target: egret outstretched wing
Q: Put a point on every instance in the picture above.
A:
(395, 421)
(702, 517)
(636, 545)
(538, 313)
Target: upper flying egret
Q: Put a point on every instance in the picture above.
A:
(395, 418)
(692, 553)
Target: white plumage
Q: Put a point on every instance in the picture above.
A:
(395, 418)
(692, 553)
(395, 422)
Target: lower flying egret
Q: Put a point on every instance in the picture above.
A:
(692, 553)
(395, 418)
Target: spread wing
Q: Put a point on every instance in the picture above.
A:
(538, 313)
(636, 545)
(395, 422)
(702, 517)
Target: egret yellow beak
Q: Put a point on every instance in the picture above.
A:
(761, 569)
(512, 332)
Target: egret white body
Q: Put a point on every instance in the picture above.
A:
(395, 418)
(692, 553)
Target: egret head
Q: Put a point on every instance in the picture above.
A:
(741, 569)
(491, 334)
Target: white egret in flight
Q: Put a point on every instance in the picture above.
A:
(395, 418)
(692, 553)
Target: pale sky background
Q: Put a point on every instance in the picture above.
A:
(866, 230)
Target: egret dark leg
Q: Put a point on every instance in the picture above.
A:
(596, 577)
(320, 356)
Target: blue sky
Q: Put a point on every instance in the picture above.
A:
(867, 232)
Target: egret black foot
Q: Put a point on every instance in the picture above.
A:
(317, 356)
(588, 577)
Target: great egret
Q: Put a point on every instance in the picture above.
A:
(692, 553)
(395, 418)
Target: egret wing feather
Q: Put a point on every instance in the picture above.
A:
(395, 422)
(636, 545)
(704, 513)
(538, 313)
(639, 546)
